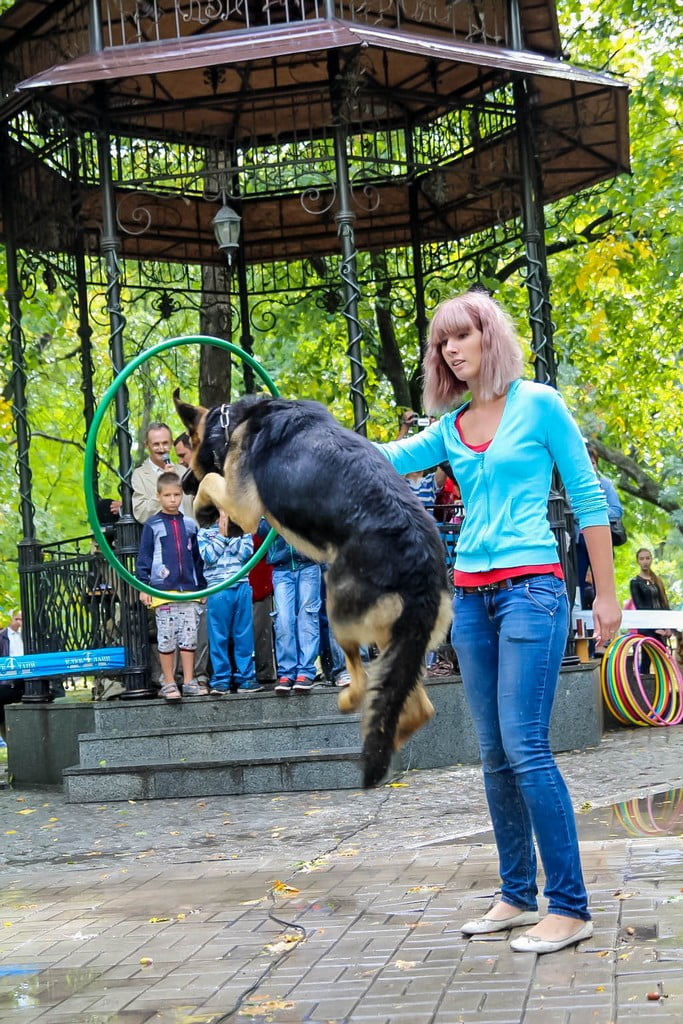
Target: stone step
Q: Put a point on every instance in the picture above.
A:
(285, 772)
(122, 716)
(223, 741)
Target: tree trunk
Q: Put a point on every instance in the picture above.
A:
(215, 368)
(389, 359)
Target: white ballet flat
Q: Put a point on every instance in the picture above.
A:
(533, 944)
(481, 925)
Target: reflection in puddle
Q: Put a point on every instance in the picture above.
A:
(658, 814)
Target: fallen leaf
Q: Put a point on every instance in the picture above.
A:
(27, 810)
(405, 965)
(624, 895)
(425, 888)
(11, 832)
(603, 952)
(6, 924)
(263, 1008)
(351, 852)
(252, 903)
(282, 889)
(314, 810)
(146, 961)
(282, 943)
(158, 920)
(174, 833)
(398, 785)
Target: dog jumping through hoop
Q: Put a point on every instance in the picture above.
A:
(332, 495)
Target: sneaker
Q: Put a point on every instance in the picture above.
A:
(343, 679)
(219, 691)
(251, 686)
(283, 686)
(302, 684)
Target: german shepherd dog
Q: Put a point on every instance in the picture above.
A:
(335, 497)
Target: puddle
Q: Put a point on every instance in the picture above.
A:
(27, 986)
(24, 987)
(657, 814)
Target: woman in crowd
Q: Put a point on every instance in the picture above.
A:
(648, 593)
(510, 605)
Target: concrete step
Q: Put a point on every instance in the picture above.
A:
(285, 772)
(223, 741)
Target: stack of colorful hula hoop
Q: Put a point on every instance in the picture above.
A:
(628, 701)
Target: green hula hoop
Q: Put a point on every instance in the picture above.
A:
(89, 467)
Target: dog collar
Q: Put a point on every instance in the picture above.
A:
(225, 424)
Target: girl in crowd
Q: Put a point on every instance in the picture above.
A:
(510, 609)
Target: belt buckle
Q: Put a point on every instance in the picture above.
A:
(488, 588)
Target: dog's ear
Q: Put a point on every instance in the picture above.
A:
(191, 415)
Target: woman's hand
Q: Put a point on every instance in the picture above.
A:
(606, 619)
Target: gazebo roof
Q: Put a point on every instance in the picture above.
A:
(250, 88)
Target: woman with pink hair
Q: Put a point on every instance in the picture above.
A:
(510, 609)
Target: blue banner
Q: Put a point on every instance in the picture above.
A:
(63, 663)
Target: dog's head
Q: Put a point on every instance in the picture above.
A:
(210, 431)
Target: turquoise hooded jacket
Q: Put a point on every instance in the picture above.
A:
(505, 489)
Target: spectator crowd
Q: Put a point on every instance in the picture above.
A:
(268, 628)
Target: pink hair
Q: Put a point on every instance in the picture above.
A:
(501, 355)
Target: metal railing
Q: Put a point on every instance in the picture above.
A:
(132, 22)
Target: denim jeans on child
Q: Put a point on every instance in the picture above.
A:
(297, 626)
(510, 644)
(228, 614)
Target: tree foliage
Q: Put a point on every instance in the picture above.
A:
(615, 255)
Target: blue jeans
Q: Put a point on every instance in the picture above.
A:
(510, 644)
(228, 614)
(297, 622)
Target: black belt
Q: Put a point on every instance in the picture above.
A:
(506, 584)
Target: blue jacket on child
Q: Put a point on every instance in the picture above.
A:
(168, 558)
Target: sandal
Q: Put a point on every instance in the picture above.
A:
(440, 668)
(170, 692)
(195, 689)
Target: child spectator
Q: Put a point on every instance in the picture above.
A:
(228, 613)
(261, 583)
(168, 559)
(296, 585)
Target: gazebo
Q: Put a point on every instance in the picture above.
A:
(132, 130)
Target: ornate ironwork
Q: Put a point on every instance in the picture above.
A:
(130, 22)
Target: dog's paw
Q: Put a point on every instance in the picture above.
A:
(345, 701)
(205, 515)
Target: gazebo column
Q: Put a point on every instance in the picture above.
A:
(28, 550)
(421, 320)
(84, 328)
(134, 623)
(545, 367)
(345, 218)
(533, 220)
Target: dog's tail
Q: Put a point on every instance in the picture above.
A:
(395, 674)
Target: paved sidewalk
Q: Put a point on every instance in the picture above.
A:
(337, 907)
